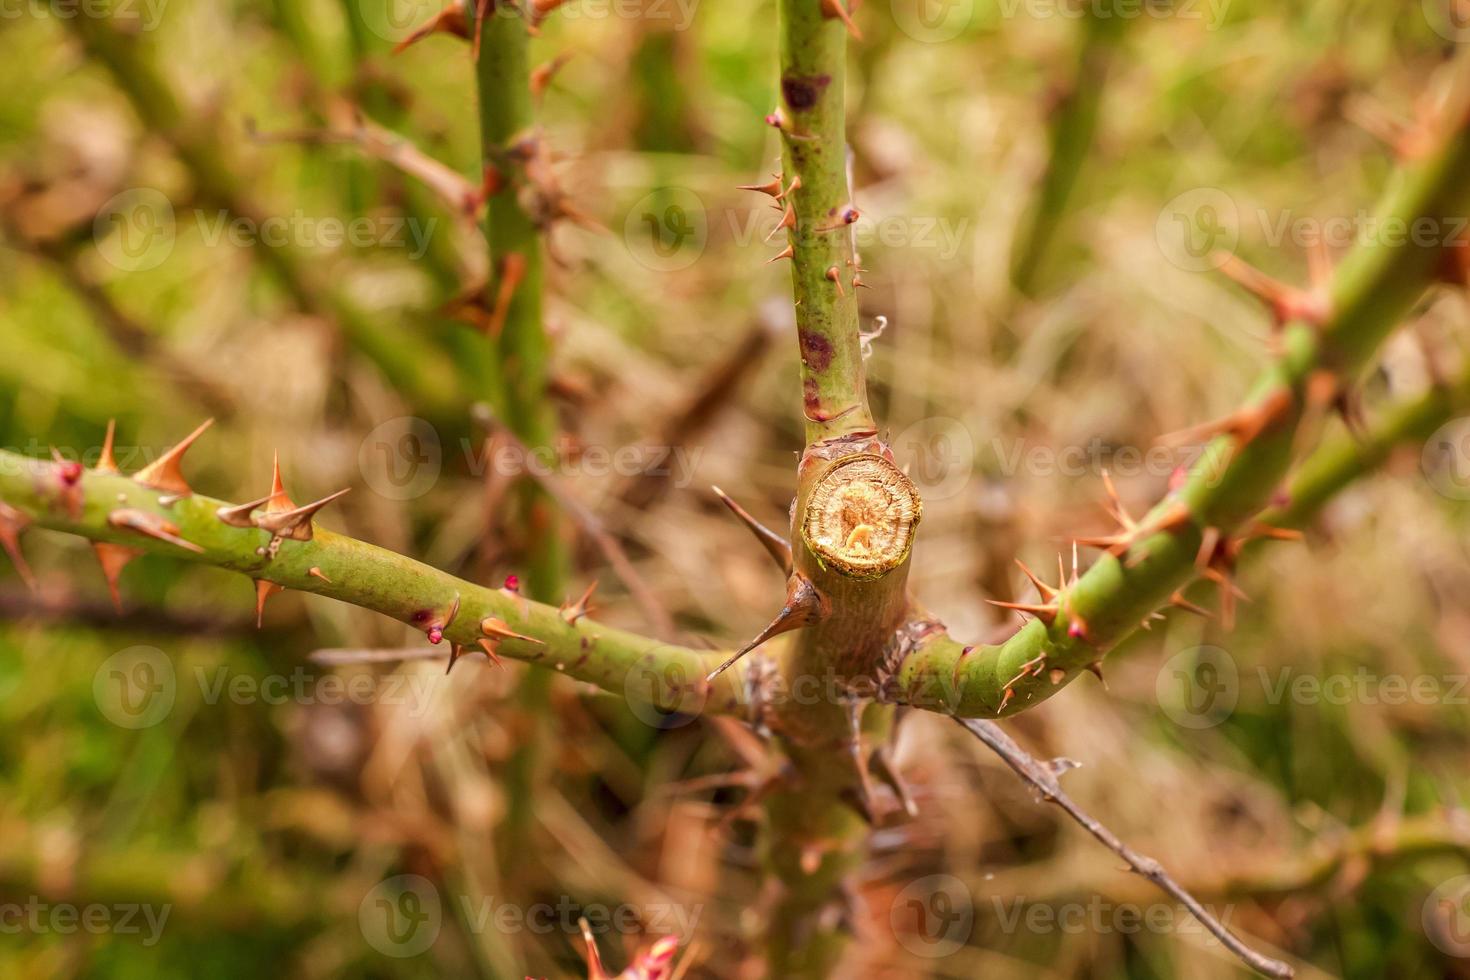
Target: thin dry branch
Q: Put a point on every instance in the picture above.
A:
(1044, 780)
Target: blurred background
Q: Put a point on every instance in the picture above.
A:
(198, 220)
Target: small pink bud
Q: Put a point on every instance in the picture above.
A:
(512, 584)
(436, 634)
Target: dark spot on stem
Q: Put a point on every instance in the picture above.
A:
(802, 92)
(816, 350)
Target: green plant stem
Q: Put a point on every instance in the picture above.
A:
(813, 73)
(506, 118)
(666, 676)
(1232, 482)
(815, 832)
(1331, 468)
(503, 79)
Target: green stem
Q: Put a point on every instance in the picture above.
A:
(506, 131)
(666, 676)
(824, 262)
(1235, 478)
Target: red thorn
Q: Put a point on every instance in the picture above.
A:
(833, 9)
(12, 523)
(1047, 613)
(773, 188)
(776, 546)
(113, 558)
(151, 525)
(571, 612)
(316, 572)
(805, 606)
(263, 591)
(106, 462)
(785, 253)
(165, 473)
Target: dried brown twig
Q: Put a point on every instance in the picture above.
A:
(1041, 776)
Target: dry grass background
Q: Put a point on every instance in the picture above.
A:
(1321, 827)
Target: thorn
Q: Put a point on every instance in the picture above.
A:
(785, 253)
(859, 760)
(435, 630)
(1096, 670)
(455, 652)
(316, 572)
(542, 75)
(152, 526)
(294, 523)
(114, 558)
(795, 186)
(1042, 589)
(773, 188)
(12, 523)
(595, 970)
(499, 630)
(512, 271)
(164, 473)
(482, 8)
(1243, 425)
(788, 220)
(833, 277)
(238, 515)
(857, 282)
(450, 20)
(776, 546)
(1288, 304)
(833, 10)
(1047, 613)
(1208, 545)
(1260, 529)
(805, 606)
(882, 763)
(263, 591)
(571, 612)
(492, 650)
(106, 462)
(1178, 600)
